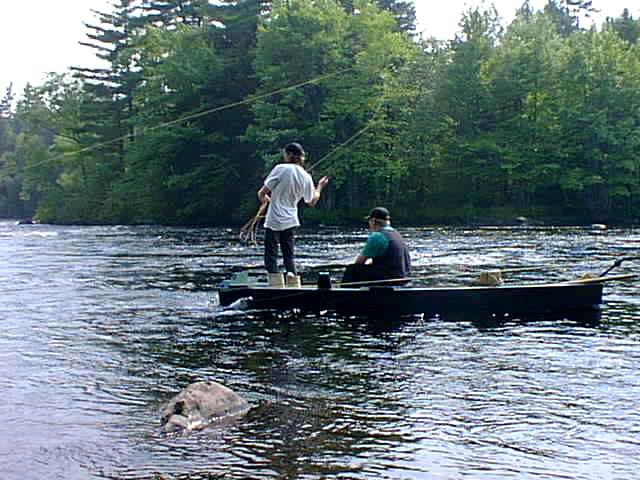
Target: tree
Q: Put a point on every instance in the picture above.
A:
(521, 89)
(166, 172)
(187, 171)
(560, 15)
(625, 26)
(5, 115)
(306, 40)
(466, 107)
(599, 123)
(403, 11)
(566, 14)
(29, 136)
(6, 102)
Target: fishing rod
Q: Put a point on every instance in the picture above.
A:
(608, 278)
(403, 280)
(616, 264)
(249, 231)
(407, 279)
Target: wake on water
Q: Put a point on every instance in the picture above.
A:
(239, 307)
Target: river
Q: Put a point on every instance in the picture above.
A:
(101, 325)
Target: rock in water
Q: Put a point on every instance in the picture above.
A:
(200, 404)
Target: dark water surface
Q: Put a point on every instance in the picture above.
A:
(101, 325)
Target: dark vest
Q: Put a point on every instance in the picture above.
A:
(395, 261)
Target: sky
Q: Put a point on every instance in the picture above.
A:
(32, 45)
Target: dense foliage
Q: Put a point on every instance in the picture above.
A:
(538, 118)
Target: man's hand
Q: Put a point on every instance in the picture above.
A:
(316, 195)
(323, 182)
(264, 195)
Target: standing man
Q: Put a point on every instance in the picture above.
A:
(385, 256)
(285, 186)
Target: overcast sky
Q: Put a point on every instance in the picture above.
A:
(39, 36)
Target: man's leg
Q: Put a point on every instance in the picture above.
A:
(359, 273)
(287, 245)
(271, 250)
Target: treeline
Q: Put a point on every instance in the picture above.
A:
(538, 118)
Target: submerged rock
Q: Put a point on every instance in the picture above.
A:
(202, 403)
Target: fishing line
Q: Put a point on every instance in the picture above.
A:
(142, 131)
(249, 231)
(349, 140)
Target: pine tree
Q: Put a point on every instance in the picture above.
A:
(566, 14)
(403, 11)
(625, 26)
(7, 102)
(559, 14)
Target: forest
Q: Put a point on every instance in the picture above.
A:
(539, 118)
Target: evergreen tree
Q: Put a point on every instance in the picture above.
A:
(578, 8)
(189, 170)
(5, 114)
(6, 102)
(625, 26)
(560, 15)
(403, 11)
(566, 14)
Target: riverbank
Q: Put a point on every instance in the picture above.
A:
(415, 217)
(425, 217)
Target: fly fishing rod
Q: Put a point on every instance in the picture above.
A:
(617, 263)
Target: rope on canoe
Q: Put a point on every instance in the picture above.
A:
(249, 231)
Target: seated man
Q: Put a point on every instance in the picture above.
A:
(386, 250)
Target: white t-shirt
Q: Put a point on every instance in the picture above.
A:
(288, 183)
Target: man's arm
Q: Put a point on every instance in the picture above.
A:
(361, 259)
(318, 191)
(270, 183)
(375, 246)
(264, 194)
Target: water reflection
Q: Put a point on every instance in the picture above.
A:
(104, 324)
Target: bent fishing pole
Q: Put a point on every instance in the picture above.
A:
(617, 263)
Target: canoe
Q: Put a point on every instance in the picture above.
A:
(526, 299)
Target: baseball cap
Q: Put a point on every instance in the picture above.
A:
(295, 148)
(379, 213)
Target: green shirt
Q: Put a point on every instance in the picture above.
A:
(376, 245)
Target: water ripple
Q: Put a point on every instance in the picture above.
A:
(101, 325)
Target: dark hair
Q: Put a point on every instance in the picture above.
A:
(296, 151)
(380, 213)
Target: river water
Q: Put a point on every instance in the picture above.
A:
(101, 325)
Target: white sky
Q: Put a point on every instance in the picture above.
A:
(31, 45)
